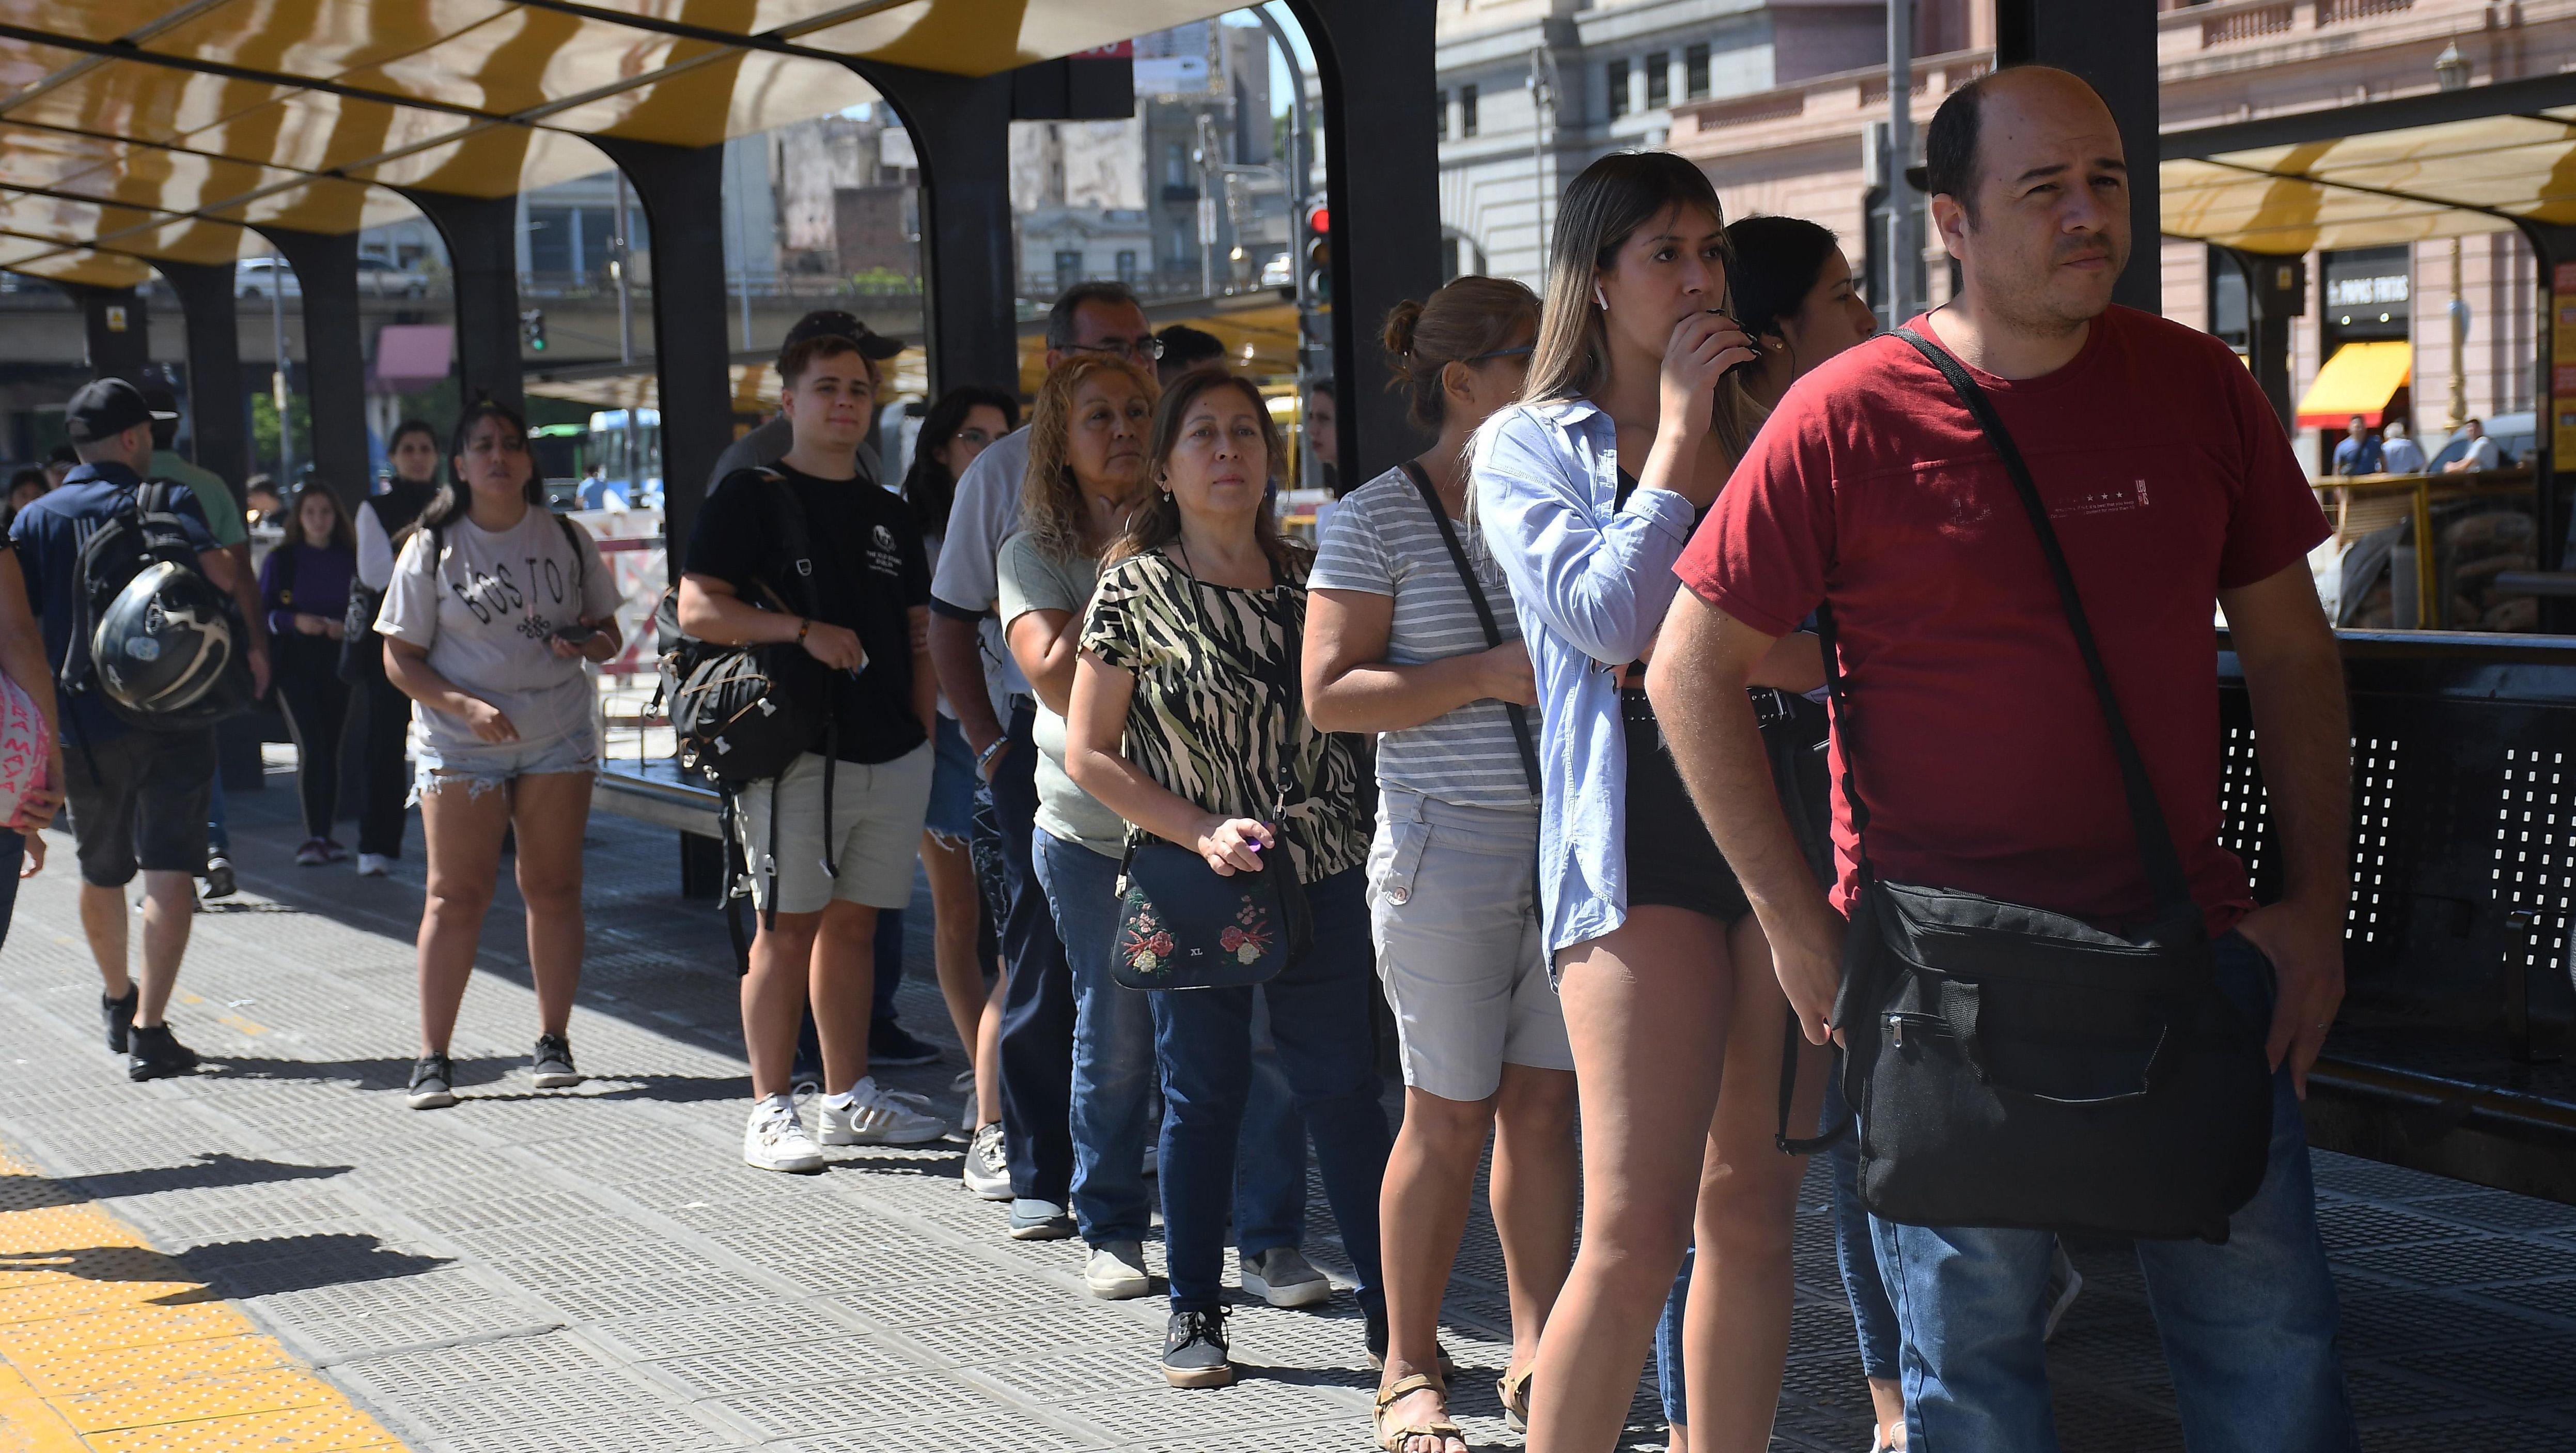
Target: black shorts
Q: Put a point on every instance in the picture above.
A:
(1672, 860)
(143, 807)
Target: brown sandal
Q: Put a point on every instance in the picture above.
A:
(1514, 1392)
(1392, 1439)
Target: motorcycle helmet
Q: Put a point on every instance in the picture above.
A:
(164, 642)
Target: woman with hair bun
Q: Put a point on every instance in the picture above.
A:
(1411, 635)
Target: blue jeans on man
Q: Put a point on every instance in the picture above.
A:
(1320, 1018)
(1113, 1079)
(2248, 1327)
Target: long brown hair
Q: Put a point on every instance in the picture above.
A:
(1603, 207)
(1158, 523)
(1465, 319)
(1050, 497)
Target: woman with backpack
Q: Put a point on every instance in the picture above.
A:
(492, 609)
(384, 520)
(304, 587)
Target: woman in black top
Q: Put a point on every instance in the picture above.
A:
(383, 519)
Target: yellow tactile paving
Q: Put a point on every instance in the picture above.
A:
(107, 1346)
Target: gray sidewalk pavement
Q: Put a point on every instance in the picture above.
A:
(595, 1269)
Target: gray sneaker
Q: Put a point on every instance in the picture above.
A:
(1115, 1271)
(551, 1065)
(433, 1083)
(988, 1165)
(1039, 1221)
(1283, 1277)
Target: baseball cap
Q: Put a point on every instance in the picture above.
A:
(107, 407)
(832, 322)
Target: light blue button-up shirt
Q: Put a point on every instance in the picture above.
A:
(1590, 583)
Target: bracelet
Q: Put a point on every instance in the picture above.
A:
(803, 624)
(985, 757)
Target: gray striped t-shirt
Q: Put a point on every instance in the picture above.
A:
(1383, 541)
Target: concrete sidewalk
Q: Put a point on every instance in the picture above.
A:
(595, 1269)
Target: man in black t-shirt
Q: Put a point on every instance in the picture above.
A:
(862, 610)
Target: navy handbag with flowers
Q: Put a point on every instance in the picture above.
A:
(1181, 925)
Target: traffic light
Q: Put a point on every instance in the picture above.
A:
(532, 330)
(1319, 256)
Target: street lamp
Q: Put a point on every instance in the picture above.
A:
(1542, 89)
(2451, 69)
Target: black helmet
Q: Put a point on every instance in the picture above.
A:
(164, 642)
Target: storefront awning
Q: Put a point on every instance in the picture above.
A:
(2359, 379)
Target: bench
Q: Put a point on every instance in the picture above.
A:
(658, 792)
(2449, 1053)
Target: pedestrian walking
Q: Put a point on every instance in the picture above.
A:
(958, 428)
(805, 552)
(139, 764)
(1410, 636)
(31, 750)
(493, 607)
(1087, 435)
(383, 523)
(2016, 642)
(304, 587)
(1186, 723)
(1670, 1005)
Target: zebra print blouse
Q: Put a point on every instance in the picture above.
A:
(1209, 718)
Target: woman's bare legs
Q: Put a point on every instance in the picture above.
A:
(955, 909)
(1533, 1194)
(1735, 1332)
(463, 825)
(988, 1050)
(1643, 1007)
(550, 810)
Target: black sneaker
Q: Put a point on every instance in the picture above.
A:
(433, 1082)
(891, 1045)
(551, 1064)
(219, 876)
(118, 1015)
(154, 1053)
(1194, 1350)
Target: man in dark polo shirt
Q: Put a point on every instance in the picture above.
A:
(1980, 746)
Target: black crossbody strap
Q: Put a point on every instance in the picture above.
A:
(1484, 614)
(2146, 814)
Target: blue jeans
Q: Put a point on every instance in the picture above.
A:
(1202, 1043)
(1037, 1001)
(1113, 1079)
(2248, 1327)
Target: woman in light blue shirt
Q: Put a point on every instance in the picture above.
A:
(1669, 998)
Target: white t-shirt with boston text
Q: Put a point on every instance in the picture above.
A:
(483, 610)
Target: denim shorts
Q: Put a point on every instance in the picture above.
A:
(952, 785)
(487, 765)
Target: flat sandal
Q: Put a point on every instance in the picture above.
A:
(1392, 1440)
(1514, 1393)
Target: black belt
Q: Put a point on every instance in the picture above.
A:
(1771, 706)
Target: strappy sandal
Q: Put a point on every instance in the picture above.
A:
(1393, 1439)
(1514, 1392)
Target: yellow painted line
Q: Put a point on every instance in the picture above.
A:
(107, 1346)
(246, 1026)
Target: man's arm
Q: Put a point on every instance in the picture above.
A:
(957, 659)
(1696, 678)
(2303, 741)
(925, 676)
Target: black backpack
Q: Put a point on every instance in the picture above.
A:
(145, 531)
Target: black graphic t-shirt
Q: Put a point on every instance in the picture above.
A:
(481, 603)
(869, 571)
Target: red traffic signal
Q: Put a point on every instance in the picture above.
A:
(1319, 219)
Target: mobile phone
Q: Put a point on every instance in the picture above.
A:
(575, 634)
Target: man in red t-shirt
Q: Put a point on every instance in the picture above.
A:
(1979, 743)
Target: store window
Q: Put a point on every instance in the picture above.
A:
(1614, 84)
(1659, 80)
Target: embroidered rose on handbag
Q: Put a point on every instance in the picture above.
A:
(1148, 945)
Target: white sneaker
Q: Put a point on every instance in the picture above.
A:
(871, 1116)
(374, 865)
(1115, 1271)
(776, 1139)
(988, 1165)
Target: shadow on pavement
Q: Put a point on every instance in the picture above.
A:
(359, 1074)
(207, 1172)
(268, 1265)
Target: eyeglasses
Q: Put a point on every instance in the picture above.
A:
(1523, 351)
(1148, 347)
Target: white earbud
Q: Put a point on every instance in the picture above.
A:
(1600, 299)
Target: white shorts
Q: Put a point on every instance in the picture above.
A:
(1453, 905)
(875, 820)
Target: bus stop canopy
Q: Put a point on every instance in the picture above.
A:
(158, 129)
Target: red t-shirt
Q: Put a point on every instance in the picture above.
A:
(1981, 748)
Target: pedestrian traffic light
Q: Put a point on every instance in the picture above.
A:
(1319, 255)
(532, 329)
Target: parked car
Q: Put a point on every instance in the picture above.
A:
(1278, 272)
(260, 277)
(2514, 436)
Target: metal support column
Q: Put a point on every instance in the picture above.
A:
(218, 409)
(1385, 214)
(2276, 291)
(2113, 47)
(682, 189)
(113, 320)
(335, 357)
(482, 256)
(2553, 394)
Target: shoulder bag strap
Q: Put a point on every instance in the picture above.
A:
(2146, 815)
(1484, 612)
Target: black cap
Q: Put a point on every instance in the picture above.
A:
(107, 407)
(833, 323)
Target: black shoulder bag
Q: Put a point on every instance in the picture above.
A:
(1484, 614)
(1184, 925)
(2012, 1066)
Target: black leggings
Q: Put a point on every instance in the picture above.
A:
(317, 713)
(388, 785)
